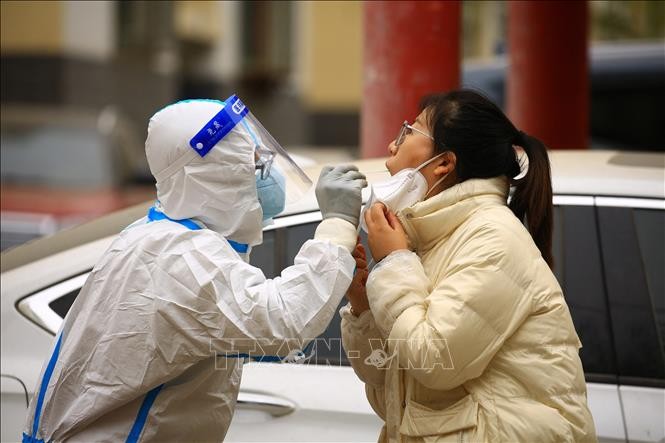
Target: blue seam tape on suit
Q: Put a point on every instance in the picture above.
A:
(154, 215)
(42, 390)
(142, 416)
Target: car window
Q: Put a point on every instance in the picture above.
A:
(557, 243)
(625, 96)
(263, 255)
(638, 344)
(579, 271)
(62, 304)
(650, 226)
(625, 109)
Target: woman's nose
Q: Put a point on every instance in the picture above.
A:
(392, 148)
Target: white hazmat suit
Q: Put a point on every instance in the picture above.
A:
(149, 350)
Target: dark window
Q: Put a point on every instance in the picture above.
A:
(296, 237)
(650, 225)
(625, 108)
(638, 347)
(578, 268)
(266, 54)
(263, 255)
(557, 244)
(625, 97)
(61, 305)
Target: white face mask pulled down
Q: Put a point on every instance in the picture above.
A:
(401, 190)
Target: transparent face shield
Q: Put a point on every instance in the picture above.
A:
(270, 156)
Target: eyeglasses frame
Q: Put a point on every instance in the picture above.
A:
(402, 133)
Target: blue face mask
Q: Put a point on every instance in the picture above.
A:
(270, 191)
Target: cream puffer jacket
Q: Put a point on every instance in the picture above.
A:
(469, 338)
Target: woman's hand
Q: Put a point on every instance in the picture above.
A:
(357, 293)
(385, 233)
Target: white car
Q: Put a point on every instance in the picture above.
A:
(609, 247)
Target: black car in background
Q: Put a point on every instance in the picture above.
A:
(627, 87)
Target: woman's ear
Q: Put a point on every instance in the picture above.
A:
(445, 164)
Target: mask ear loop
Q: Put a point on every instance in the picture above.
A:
(439, 180)
(429, 161)
(437, 183)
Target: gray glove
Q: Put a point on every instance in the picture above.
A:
(338, 192)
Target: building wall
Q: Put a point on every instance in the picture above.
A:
(306, 85)
(29, 27)
(61, 58)
(331, 51)
(76, 28)
(89, 29)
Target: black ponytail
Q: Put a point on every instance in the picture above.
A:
(483, 140)
(532, 196)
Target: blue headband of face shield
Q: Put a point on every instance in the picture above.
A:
(220, 125)
(270, 183)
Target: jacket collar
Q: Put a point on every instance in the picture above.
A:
(432, 220)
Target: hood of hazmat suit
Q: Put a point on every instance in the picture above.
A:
(214, 182)
(153, 346)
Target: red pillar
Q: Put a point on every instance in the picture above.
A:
(548, 83)
(410, 49)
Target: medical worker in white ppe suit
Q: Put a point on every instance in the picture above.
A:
(153, 347)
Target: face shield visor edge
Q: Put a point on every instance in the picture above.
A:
(270, 157)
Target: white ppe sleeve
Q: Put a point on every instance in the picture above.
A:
(337, 231)
(217, 303)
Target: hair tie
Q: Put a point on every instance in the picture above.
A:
(519, 138)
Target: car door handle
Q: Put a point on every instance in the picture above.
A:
(275, 406)
(9, 385)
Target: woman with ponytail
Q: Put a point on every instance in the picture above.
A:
(461, 331)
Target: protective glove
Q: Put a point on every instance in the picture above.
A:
(338, 192)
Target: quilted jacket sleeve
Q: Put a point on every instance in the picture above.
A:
(448, 334)
(361, 338)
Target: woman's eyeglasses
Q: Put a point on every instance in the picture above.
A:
(406, 130)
